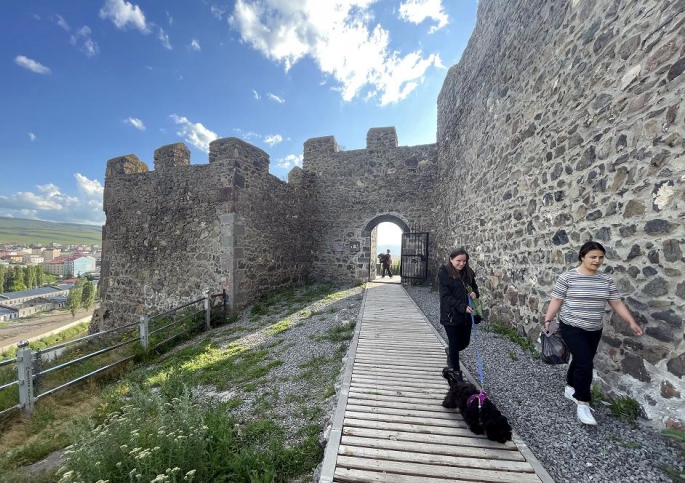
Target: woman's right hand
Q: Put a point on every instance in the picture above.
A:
(469, 310)
(547, 324)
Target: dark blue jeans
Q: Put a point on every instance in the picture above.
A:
(388, 269)
(583, 346)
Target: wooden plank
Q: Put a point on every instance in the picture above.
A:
(400, 390)
(390, 381)
(382, 372)
(352, 475)
(403, 399)
(432, 459)
(411, 428)
(400, 418)
(404, 412)
(409, 370)
(433, 448)
(468, 474)
(380, 403)
(426, 438)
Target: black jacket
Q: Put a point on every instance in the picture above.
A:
(454, 299)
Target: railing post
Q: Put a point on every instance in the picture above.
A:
(208, 310)
(144, 331)
(25, 376)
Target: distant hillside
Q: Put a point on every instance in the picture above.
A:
(18, 230)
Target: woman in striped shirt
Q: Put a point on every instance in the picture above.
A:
(582, 295)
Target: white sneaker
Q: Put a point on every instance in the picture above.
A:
(585, 416)
(568, 394)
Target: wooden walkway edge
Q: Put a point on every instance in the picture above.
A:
(389, 425)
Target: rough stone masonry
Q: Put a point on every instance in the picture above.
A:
(561, 123)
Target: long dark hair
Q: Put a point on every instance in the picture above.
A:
(588, 247)
(467, 274)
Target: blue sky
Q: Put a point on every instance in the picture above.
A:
(87, 80)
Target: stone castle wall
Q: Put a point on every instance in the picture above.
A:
(563, 123)
(179, 230)
(353, 191)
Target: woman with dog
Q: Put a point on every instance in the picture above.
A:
(582, 295)
(457, 282)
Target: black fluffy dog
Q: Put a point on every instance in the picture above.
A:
(479, 412)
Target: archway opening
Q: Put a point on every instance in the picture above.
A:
(384, 233)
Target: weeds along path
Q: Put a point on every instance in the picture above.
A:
(247, 401)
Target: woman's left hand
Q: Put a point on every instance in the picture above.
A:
(473, 295)
(637, 330)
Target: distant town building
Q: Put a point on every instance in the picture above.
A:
(51, 254)
(14, 305)
(32, 259)
(74, 265)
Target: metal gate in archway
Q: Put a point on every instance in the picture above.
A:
(414, 258)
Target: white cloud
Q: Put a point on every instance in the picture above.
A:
(195, 133)
(338, 35)
(32, 136)
(272, 139)
(86, 44)
(31, 65)
(51, 204)
(195, 44)
(170, 18)
(247, 135)
(256, 94)
(218, 12)
(124, 14)
(136, 123)
(275, 98)
(164, 38)
(289, 161)
(62, 23)
(416, 11)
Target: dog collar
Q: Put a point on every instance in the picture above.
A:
(481, 396)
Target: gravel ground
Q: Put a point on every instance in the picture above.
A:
(299, 391)
(530, 393)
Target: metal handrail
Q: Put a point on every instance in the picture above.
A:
(86, 337)
(161, 343)
(175, 322)
(5, 386)
(7, 361)
(16, 406)
(176, 308)
(86, 376)
(87, 356)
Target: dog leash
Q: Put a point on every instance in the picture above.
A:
(478, 359)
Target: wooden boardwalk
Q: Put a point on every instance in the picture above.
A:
(390, 426)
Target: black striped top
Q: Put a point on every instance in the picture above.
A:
(585, 298)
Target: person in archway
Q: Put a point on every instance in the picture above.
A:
(582, 294)
(457, 282)
(386, 261)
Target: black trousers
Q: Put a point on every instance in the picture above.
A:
(388, 269)
(583, 346)
(458, 338)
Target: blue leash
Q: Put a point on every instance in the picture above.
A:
(475, 341)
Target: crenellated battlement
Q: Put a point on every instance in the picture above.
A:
(122, 165)
(381, 138)
(172, 155)
(235, 149)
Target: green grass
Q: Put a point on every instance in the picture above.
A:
(23, 231)
(217, 445)
(512, 335)
(625, 408)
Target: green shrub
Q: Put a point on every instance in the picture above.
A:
(625, 408)
(177, 440)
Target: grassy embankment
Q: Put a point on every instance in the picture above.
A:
(15, 230)
(208, 410)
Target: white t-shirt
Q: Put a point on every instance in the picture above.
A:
(585, 298)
